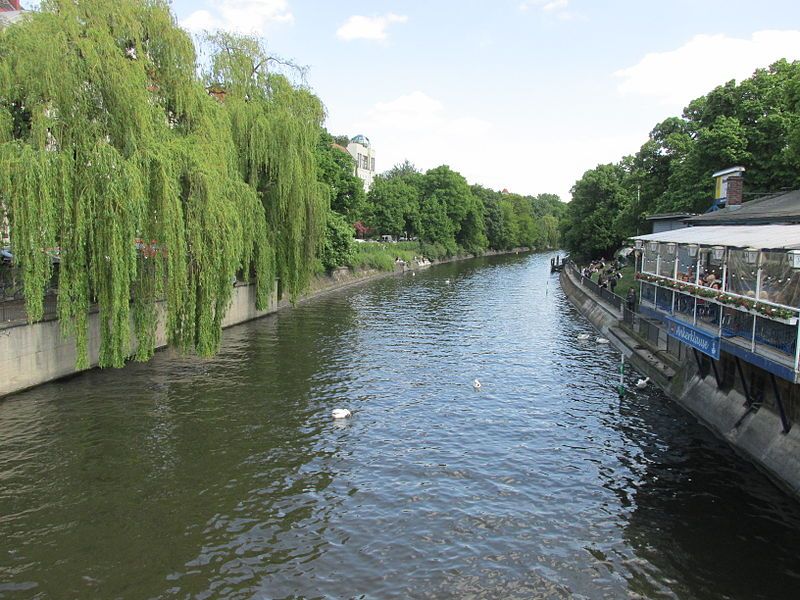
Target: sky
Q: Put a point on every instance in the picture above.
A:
(525, 95)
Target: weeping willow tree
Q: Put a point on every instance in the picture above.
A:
(276, 127)
(114, 158)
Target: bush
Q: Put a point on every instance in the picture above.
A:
(438, 251)
(338, 247)
(384, 256)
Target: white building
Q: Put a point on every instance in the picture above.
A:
(363, 153)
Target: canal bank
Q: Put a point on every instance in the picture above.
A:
(227, 477)
(741, 410)
(35, 353)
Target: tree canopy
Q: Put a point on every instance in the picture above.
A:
(442, 209)
(116, 159)
(755, 124)
(130, 177)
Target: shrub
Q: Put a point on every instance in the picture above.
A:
(337, 248)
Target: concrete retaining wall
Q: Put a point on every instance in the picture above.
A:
(37, 353)
(757, 436)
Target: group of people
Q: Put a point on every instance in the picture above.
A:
(608, 273)
(708, 278)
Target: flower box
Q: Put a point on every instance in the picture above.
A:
(741, 303)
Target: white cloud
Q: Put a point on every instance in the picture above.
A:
(420, 113)
(423, 130)
(199, 20)
(677, 76)
(428, 132)
(555, 5)
(358, 27)
(555, 8)
(244, 16)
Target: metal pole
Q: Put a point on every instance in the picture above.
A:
(758, 293)
(621, 388)
(797, 346)
(787, 425)
(696, 281)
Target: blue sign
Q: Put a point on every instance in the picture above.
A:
(696, 338)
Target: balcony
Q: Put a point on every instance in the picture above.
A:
(747, 298)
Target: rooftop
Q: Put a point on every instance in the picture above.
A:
(728, 171)
(361, 139)
(669, 216)
(783, 207)
(766, 237)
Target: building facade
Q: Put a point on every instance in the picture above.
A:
(362, 151)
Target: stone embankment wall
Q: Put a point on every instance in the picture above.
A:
(757, 435)
(32, 354)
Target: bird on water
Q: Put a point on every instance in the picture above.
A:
(340, 413)
(476, 384)
(642, 383)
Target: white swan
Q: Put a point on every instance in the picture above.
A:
(447, 281)
(340, 413)
(583, 336)
(601, 340)
(476, 384)
(642, 383)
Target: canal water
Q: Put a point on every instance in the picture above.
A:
(227, 478)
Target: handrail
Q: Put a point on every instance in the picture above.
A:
(721, 291)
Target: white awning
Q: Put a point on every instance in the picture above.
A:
(762, 237)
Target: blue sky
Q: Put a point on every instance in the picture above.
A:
(517, 94)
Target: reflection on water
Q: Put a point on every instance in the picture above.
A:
(227, 478)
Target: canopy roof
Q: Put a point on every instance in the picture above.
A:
(782, 208)
(763, 237)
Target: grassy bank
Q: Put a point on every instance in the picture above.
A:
(376, 255)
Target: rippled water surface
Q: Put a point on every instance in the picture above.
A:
(227, 478)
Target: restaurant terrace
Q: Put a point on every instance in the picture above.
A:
(734, 288)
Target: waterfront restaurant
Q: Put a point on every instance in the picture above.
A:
(728, 288)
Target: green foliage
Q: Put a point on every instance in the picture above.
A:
(338, 246)
(755, 124)
(383, 257)
(451, 217)
(336, 168)
(513, 220)
(391, 202)
(112, 151)
(597, 198)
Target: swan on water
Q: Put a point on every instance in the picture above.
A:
(476, 384)
(583, 336)
(642, 383)
(447, 281)
(601, 340)
(340, 413)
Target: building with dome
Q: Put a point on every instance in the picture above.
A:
(361, 150)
